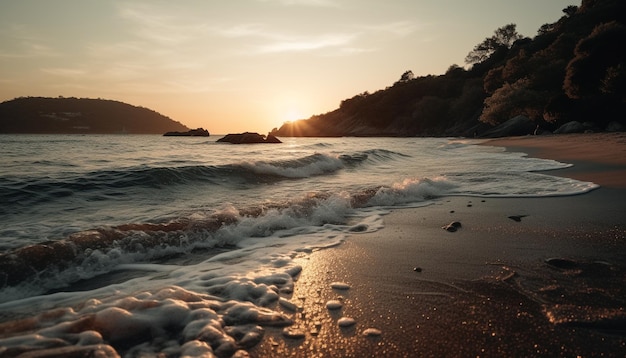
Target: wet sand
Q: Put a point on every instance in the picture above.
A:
(521, 277)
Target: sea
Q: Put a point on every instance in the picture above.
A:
(144, 236)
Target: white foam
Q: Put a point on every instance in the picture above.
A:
(372, 332)
(340, 286)
(412, 190)
(346, 322)
(334, 304)
(316, 164)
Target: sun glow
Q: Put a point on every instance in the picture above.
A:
(293, 114)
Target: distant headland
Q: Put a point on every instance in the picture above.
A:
(70, 115)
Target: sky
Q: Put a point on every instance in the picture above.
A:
(242, 65)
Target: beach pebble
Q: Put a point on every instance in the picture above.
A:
(359, 228)
(517, 218)
(417, 269)
(334, 304)
(346, 322)
(452, 227)
(372, 332)
(340, 286)
(293, 333)
(565, 264)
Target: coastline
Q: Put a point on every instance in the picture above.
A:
(549, 283)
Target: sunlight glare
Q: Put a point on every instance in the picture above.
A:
(294, 114)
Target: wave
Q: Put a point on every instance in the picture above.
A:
(85, 254)
(311, 165)
(34, 190)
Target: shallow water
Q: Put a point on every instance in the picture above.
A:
(112, 232)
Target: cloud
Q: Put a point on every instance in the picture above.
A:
(311, 3)
(166, 26)
(245, 30)
(264, 41)
(21, 42)
(398, 28)
(64, 72)
(311, 43)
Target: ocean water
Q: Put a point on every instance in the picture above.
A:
(123, 233)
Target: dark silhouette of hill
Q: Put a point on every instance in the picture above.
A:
(572, 70)
(81, 115)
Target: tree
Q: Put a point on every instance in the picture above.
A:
(512, 100)
(598, 65)
(406, 76)
(570, 10)
(503, 39)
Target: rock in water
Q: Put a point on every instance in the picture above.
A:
(248, 138)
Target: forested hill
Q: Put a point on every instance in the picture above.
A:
(81, 115)
(572, 70)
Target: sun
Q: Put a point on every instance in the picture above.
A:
(293, 114)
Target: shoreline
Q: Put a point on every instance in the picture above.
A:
(550, 281)
(596, 157)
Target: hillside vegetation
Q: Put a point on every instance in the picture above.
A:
(572, 70)
(81, 115)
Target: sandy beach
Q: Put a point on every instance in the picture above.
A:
(520, 277)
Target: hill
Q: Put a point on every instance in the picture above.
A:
(81, 115)
(572, 70)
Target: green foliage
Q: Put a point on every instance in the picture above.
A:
(503, 39)
(407, 76)
(512, 100)
(595, 69)
(614, 83)
(570, 10)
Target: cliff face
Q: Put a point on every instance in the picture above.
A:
(81, 115)
(572, 70)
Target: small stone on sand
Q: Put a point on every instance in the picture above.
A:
(517, 218)
(452, 227)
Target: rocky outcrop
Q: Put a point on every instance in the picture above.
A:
(516, 126)
(198, 132)
(248, 138)
(615, 127)
(570, 127)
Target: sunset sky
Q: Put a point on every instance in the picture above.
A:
(242, 65)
